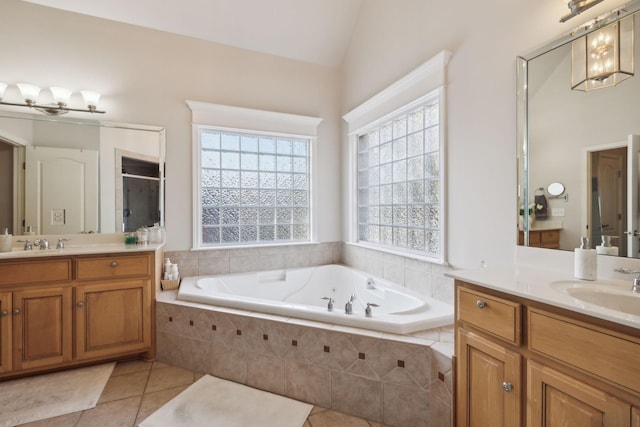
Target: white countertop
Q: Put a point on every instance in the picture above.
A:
(536, 283)
(79, 249)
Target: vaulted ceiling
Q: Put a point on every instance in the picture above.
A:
(315, 31)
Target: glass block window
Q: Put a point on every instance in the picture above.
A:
(399, 180)
(254, 188)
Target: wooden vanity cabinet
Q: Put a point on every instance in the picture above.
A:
(50, 319)
(113, 308)
(519, 362)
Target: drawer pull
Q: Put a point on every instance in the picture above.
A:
(507, 386)
(3, 312)
(481, 304)
(80, 304)
(15, 311)
(114, 264)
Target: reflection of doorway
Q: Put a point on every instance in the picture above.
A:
(608, 196)
(6, 187)
(140, 201)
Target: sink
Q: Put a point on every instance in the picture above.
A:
(614, 295)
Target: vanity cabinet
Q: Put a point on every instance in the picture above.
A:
(520, 362)
(549, 239)
(62, 311)
(112, 305)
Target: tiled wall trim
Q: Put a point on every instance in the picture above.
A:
(399, 382)
(398, 269)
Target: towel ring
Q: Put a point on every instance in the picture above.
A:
(539, 192)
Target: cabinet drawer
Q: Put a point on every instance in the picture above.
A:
(40, 271)
(586, 348)
(548, 237)
(109, 267)
(494, 315)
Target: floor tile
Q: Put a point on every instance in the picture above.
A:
(131, 366)
(119, 413)
(168, 377)
(333, 419)
(151, 402)
(61, 421)
(123, 386)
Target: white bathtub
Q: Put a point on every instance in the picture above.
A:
(299, 293)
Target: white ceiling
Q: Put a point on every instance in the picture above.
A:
(316, 31)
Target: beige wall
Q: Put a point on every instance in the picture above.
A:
(393, 38)
(146, 76)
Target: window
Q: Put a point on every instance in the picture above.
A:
(399, 180)
(397, 163)
(254, 187)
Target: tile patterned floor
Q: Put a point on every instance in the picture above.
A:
(137, 388)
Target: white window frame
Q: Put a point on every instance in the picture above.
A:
(237, 119)
(427, 80)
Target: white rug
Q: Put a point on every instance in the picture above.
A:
(49, 395)
(214, 402)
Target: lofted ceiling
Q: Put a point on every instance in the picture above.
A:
(315, 31)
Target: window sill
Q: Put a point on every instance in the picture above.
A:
(253, 246)
(410, 255)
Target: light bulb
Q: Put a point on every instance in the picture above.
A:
(91, 98)
(60, 95)
(29, 92)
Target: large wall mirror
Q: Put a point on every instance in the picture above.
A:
(66, 176)
(585, 142)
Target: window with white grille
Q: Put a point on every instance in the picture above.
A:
(254, 188)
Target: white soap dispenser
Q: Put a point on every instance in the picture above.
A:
(585, 261)
(6, 241)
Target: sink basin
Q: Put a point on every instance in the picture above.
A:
(614, 295)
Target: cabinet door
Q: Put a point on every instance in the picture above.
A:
(112, 318)
(488, 383)
(5, 331)
(635, 417)
(42, 327)
(555, 399)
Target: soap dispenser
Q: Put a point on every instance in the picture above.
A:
(6, 241)
(585, 261)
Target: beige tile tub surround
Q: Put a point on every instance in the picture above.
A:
(401, 381)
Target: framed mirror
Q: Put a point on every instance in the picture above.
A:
(67, 176)
(586, 140)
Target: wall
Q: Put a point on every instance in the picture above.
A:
(485, 37)
(145, 77)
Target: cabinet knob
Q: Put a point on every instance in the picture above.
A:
(3, 312)
(80, 304)
(16, 311)
(481, 304)
(114, 264)
(507, 386)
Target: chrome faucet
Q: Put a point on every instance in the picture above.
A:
(27, 244)
(367, 311)
(43, 243)
(60, 244)
(348, 307)
(329, 304)
(635, 287)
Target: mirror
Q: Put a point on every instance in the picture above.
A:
(588, 141)
(66, 175)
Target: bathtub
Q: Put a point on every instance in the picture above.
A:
(303, 293)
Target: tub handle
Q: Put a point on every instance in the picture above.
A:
(329, 304)
(367, 311)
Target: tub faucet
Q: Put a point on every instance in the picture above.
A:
(635, 287)
(329, 304)
(367, 311)
(348, 307)
(371, 284)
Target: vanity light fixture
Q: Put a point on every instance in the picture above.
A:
(577, 7)
(603, 57)
(61, 97)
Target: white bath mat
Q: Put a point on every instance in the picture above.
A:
(50, 395)
(213, 402)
